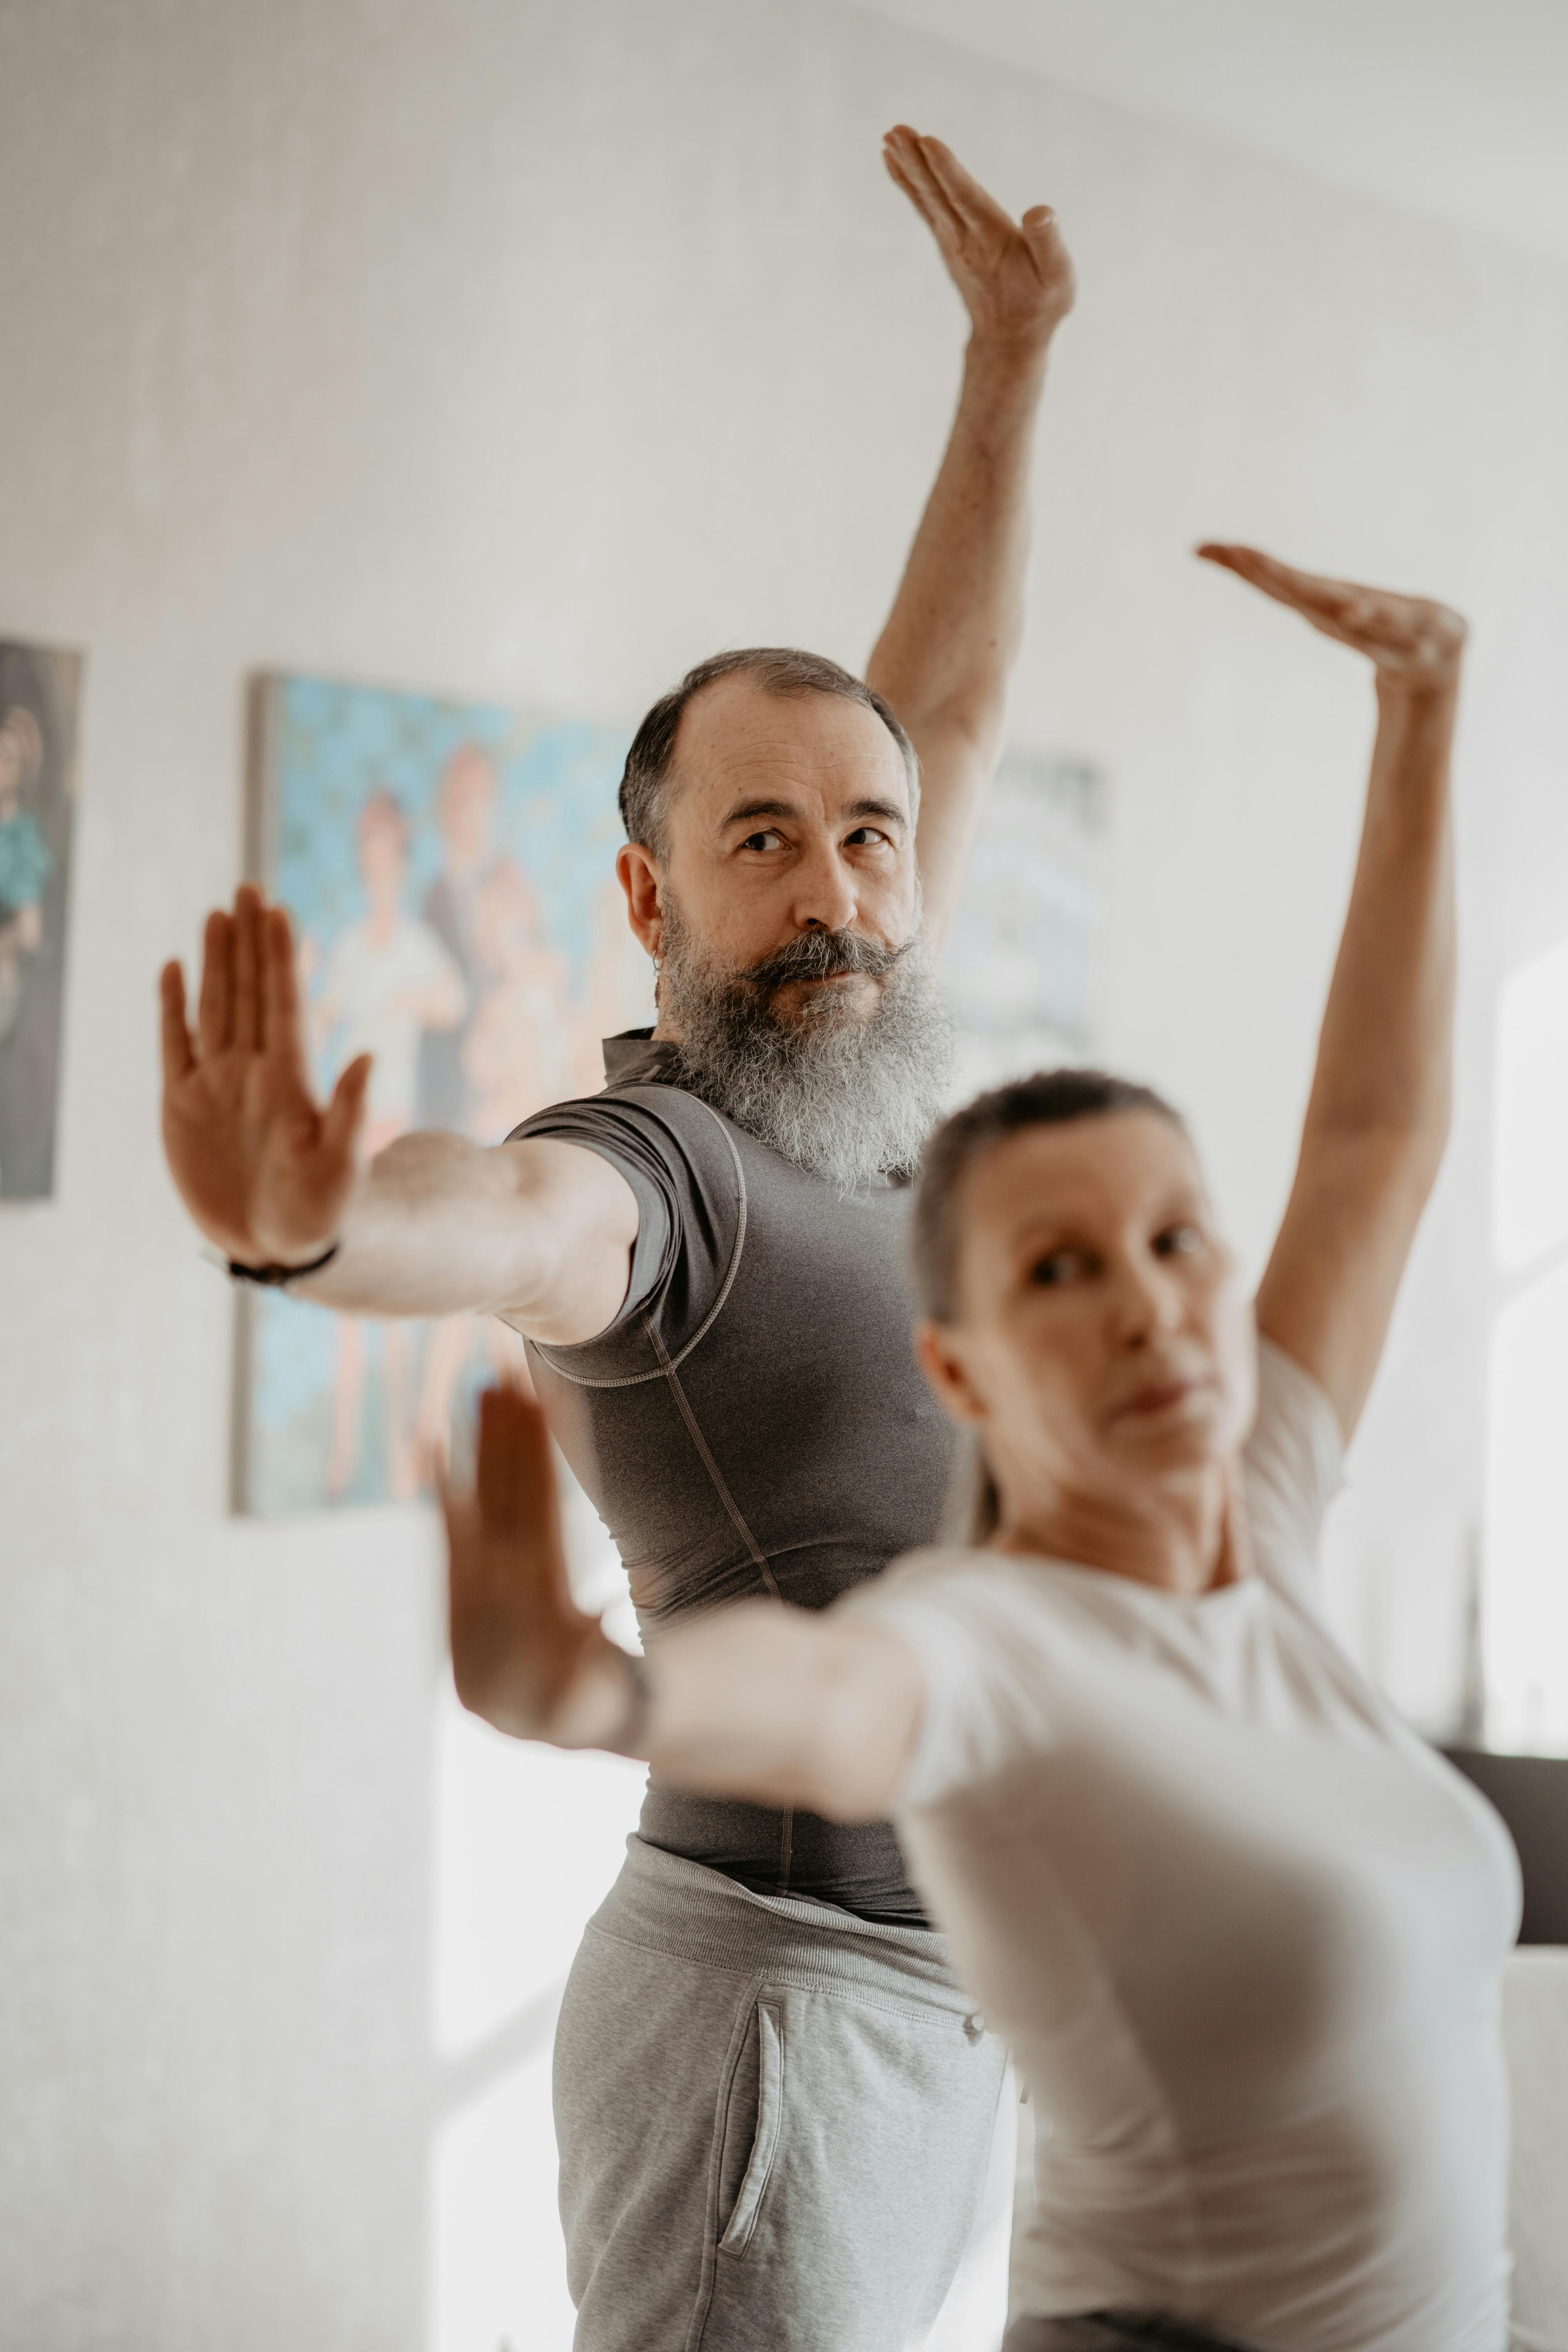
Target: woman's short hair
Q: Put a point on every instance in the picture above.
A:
(1049, 1099)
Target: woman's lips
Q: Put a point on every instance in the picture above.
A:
(1158, 1397)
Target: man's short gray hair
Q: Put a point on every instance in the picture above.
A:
(776, 669)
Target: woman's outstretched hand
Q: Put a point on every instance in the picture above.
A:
(1016, 276)
(1411, 640)
(524, 1656)
(265, 1171)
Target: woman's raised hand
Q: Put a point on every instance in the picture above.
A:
(524, 1656)
(1409, 638)
(265, 1171)
(1016, 276)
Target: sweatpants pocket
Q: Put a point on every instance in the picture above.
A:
(742, 2221)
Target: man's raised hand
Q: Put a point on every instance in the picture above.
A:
(265, 1171)
(1412, 641)
(1016, 276)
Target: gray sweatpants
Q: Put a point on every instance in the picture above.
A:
(776, 2125)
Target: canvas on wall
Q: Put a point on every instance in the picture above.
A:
(39, 694)
(1022, 965)
(450, 870)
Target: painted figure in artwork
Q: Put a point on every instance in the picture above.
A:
(27, 860)
(387, 983)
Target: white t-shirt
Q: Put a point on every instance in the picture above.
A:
(1242, 1928)
(374, 990)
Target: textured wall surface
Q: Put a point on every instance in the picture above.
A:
(532, 351)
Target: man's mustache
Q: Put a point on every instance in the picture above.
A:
(822, 955)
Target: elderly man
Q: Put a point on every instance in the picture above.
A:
(775, 2105)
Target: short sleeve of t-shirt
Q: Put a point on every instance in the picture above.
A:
(1294, 1465)
(678, 1158)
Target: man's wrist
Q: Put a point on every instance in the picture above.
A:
(276, 1274)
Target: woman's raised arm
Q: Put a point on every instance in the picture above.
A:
(783, 1706)
(1377, 1119)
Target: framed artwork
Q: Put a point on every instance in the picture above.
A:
(1022, 966)
(450, 870)
(40, 690)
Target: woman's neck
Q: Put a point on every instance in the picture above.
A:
(1187, 1538)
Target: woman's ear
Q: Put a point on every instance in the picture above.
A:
(940, 1358)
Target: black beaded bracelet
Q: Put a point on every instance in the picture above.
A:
(274, 1277)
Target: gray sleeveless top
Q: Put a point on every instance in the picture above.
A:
(752, 1423)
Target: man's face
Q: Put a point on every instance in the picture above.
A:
(787, 814)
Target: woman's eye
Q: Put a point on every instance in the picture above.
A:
(1061, 1265)
(1179, 1241)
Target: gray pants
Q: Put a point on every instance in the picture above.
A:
(775, 2122)
(1112, 2331)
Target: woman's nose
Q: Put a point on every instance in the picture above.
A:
(1149, 1305)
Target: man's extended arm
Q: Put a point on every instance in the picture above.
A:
(953, 635)
(436, 1225)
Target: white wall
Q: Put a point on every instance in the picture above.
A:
(532, 351)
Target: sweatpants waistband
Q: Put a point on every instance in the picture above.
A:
(670, 1903)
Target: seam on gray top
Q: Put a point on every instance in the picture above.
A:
(667, 1366)
(636, 1379)
(759, 1558)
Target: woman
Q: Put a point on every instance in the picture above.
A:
(1241, 1928)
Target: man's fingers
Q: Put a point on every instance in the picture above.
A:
(179, 1054)
(246, 1024)
(215, 1009)
(345, 1112)
(280, 986)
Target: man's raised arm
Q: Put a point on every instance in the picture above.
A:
(953, 635)
(436, 1225)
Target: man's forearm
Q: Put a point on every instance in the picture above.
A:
(438, 1226)
(957, 622)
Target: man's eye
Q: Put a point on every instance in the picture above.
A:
(1179, 1241)
(761, 841)
(866, 836)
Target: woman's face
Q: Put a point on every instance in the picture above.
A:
(1102, 1344)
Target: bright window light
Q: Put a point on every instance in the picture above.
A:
(1531, 1173)
(528, 1839)
(1525, 1618)
(498, 2273)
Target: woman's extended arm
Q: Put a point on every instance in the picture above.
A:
(1377, 1119)
(953, 635)
(780, 1705)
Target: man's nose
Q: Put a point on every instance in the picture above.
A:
(825, 895)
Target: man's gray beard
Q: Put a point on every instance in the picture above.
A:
(847, 1094)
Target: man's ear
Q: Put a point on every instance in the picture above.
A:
(941, 1361)
(637, 870)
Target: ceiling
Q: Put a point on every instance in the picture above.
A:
(1456, 108)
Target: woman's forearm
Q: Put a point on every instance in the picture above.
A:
(1385, 1060)
(785, 1707)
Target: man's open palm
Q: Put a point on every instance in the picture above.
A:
(262, 1168)
(1016, 276)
